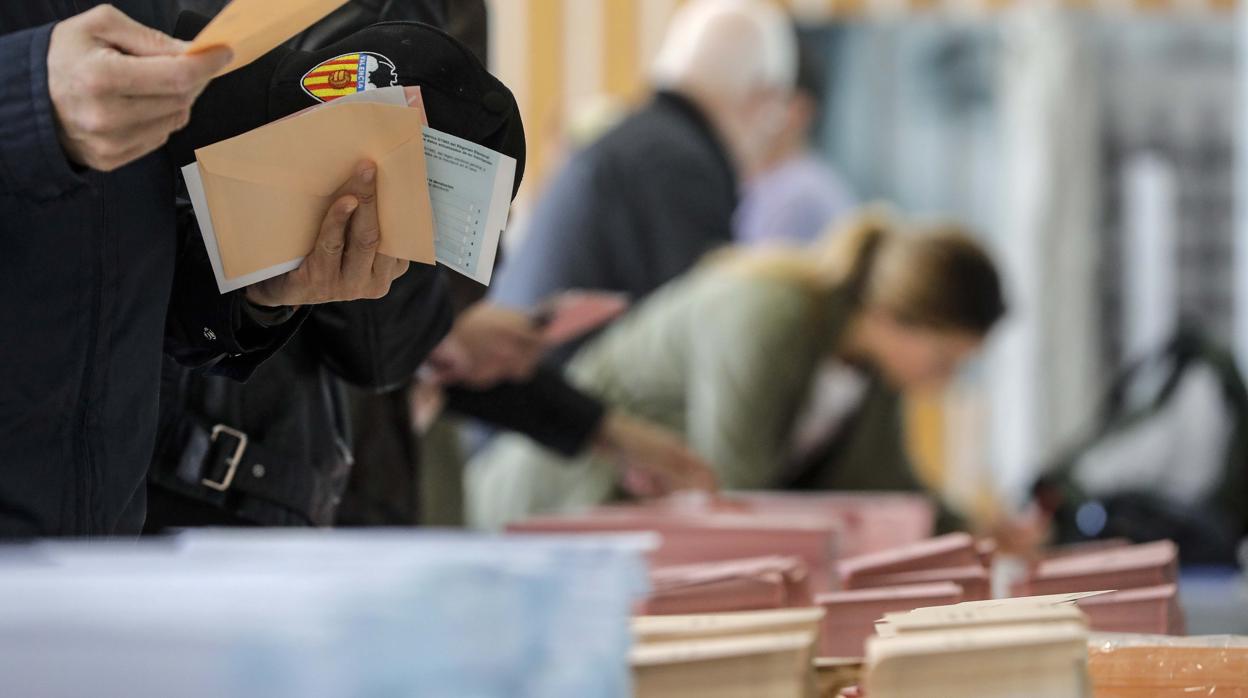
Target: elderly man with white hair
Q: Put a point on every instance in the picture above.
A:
(646, 201)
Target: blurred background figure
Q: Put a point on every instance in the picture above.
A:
(647, 200)
(727, 356)
(798, 194)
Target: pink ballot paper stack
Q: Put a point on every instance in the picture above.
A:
(851, 615)
(952, 558)
(865, 521)
(1146, 576)
(710, 537)
(734, 585)
(1130, 567)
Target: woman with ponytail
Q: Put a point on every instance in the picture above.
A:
(730, 355)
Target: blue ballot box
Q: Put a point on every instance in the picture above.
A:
(321, 614)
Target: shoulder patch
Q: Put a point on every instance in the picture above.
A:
(348, 74)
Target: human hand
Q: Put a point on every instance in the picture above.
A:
(344, 265)
(119, 88)
(1022, 535)
(655, 461)
(498, 345)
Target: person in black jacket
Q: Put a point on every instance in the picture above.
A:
(94, 262)
(277, 451)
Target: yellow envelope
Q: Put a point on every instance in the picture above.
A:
(252, 28)
(268, 190)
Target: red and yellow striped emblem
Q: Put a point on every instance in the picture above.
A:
(348, 74)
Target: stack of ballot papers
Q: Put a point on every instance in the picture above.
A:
(1147, 610)
(1146, 577)
(1128, 567)
(312, 614)
(734, 585)
(767, 654)
(1014, 648)
(1144, 666)
(866, 521)
(709, 537)
(260, 197)
(951, 558)
(851, 615)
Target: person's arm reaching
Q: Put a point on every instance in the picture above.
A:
(97, 90)
(546, 408)
(557, 415)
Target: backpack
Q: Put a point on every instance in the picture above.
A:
(1167, 460)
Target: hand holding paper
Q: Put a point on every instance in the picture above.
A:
(119, 88)
(345, 263)
(573, 314)
(259, 197)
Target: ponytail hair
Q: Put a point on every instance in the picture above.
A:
(935, 276)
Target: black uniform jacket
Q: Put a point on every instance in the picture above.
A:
(91, 265)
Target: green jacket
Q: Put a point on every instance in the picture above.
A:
(726, 360)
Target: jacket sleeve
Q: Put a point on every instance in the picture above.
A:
(379, 344)
(32, 162)
(210, 330)
(545, 408)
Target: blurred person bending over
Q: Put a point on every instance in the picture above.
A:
(727, 357)
(98, 271)
(647, 200)
(798, 195)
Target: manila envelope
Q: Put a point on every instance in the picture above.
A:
(268, 190)
(252, 28)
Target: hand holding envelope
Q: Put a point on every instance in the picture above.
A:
(344, 263)
(268, 189)
(119, 88)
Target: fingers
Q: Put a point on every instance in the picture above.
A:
(109, 151)
(111, 25)
(144, 110)
(680, 469)
(344, 264)
(396, 268)
(151, 76)
(324, 264)
(364, 239)
(145, 61)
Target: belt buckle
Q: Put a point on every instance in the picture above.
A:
(232, 463)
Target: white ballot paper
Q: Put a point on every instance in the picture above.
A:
(469, 188)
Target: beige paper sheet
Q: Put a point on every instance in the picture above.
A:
(252, 28)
